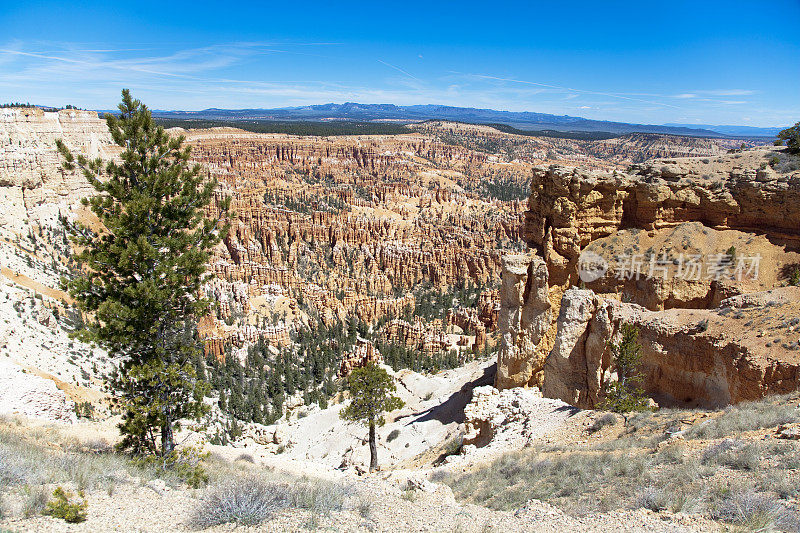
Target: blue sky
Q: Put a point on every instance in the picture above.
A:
(700, 62)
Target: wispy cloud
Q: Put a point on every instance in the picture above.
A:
(573, 89)
(260, 74)
(398, 69)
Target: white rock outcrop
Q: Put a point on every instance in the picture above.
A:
(509, 419)
(26, 394)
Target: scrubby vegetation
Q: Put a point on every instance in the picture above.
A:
(64, 506)
(673, 460)
(250, 500)
(33, 459)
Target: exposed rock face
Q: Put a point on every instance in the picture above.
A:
(418, 335)
(569, 208)
(349, 227)
(575, 368)
(32, 186)
(363, 354)
(698, 334)
(469, 321)
(24, 393)
(690, 357)
(498, 421)
(525, 318)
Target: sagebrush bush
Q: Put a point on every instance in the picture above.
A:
(250, 500)
(34, 500)
(653, 499)
(755, 511)
(246, 501)
(393, 435)
(185, 463)
(605, 420)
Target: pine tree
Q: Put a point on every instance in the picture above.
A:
(143, 271)
(625, 394)
(791, 136)
(371, 389)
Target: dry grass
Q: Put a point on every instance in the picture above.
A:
(659, 464)
(747, 416)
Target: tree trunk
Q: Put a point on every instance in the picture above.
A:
(167, 438)
(373, 447)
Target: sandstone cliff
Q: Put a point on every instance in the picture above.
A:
(724, 335)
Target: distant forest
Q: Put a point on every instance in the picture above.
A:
(319, 129)
(575, 135)
(333, 128)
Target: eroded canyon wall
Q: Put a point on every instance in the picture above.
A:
(726, 335)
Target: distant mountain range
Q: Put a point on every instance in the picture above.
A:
(733, 130)
(523, 120)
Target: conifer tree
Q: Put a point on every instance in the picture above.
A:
(371, 389)
(625, 394)
(143, 271)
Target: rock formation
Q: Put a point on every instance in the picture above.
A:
(363, 354)
(724, 334)
(525, 318)
(708, 357)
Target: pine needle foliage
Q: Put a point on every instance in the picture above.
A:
(371, 389)
(791, 137)
(625, 394)
(142, 273)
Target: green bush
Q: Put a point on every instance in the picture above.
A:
(84, 410)
(61, 507)
(186, 464)
(794, 277)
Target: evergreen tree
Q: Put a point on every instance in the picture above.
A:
(625, 394)
(371, 389)
(143, 271)
(792, 138)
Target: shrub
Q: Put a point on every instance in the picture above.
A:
(245, 501)
(733, 454)
(62, 507)
(653, 499)
(84, 410)
(393, 435)
(251, 500)
(34, 501)
(746, 417)
(608, 419)
(753, 510)
(731, 254)
(185, 464)
(794, 277)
